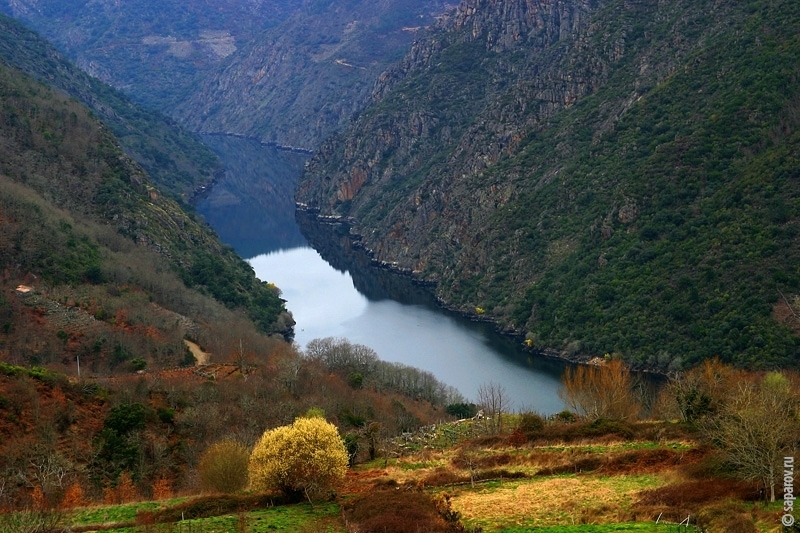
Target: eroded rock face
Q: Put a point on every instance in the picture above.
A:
(298, 82)
(287, 72)
(519, 141)
(465, 96)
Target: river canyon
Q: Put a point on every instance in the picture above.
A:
(333, 289)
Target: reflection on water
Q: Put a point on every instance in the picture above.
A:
(343, 295)
(319, 297)
(252, 206)
(325, 303)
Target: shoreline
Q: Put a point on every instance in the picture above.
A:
(518, 337)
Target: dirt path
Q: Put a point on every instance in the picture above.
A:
(201, 356)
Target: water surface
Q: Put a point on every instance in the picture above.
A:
(333, 290)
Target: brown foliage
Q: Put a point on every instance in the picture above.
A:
(601, 391)
(641, 461)
(702, 390)
(584, 464)
(38, 501)
(629, 462)
(517, 438)
(73, 497)
(757, 427)
(399, 512)
(445, 476)
(162, 489)
(223, 467)
(730, 517)
(695, 493)
(207, 506)
(124, 492)
(597, 431)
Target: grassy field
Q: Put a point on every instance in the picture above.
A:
(572, 499)
(323, 518)
(564, 483)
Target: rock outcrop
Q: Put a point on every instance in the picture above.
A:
(558, 163)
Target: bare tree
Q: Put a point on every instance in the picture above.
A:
(46, 469)
(493, 400)
(702, 390)
(600, 391)
(757, 427)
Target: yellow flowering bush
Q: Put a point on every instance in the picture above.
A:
(307, 458)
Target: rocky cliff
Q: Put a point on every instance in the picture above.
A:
(298, 82)
(583, 172)
(284, 72)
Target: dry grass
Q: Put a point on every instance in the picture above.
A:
(577, 473)
(564, 500)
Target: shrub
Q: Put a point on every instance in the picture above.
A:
(223, 467)
(565, 416)
(166, 415)
(31, 520)
(306, 458)
(530, 422)
(401, 512)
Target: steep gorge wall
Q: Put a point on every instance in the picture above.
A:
(461, 99)
(552, 163)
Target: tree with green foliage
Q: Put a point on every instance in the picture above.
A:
(462, 410)
(306, 458)
(119, 444)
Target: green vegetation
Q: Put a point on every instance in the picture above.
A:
(629, 191)
(698, 271)
(135, 517)
(65, 181)
(175, 160)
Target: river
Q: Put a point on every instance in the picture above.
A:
(333, 291)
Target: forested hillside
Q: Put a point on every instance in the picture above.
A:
(78, 214)
(175, 160)
(597, 177)
(285, 72)
(131, 339)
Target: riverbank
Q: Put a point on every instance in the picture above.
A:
(343, 228)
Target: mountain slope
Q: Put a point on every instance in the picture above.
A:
(298, 82)
(597, 176)
(285, 72)
(120, 42)
(77, 211)
(176, 160)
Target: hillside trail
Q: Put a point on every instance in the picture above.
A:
(200, 356)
